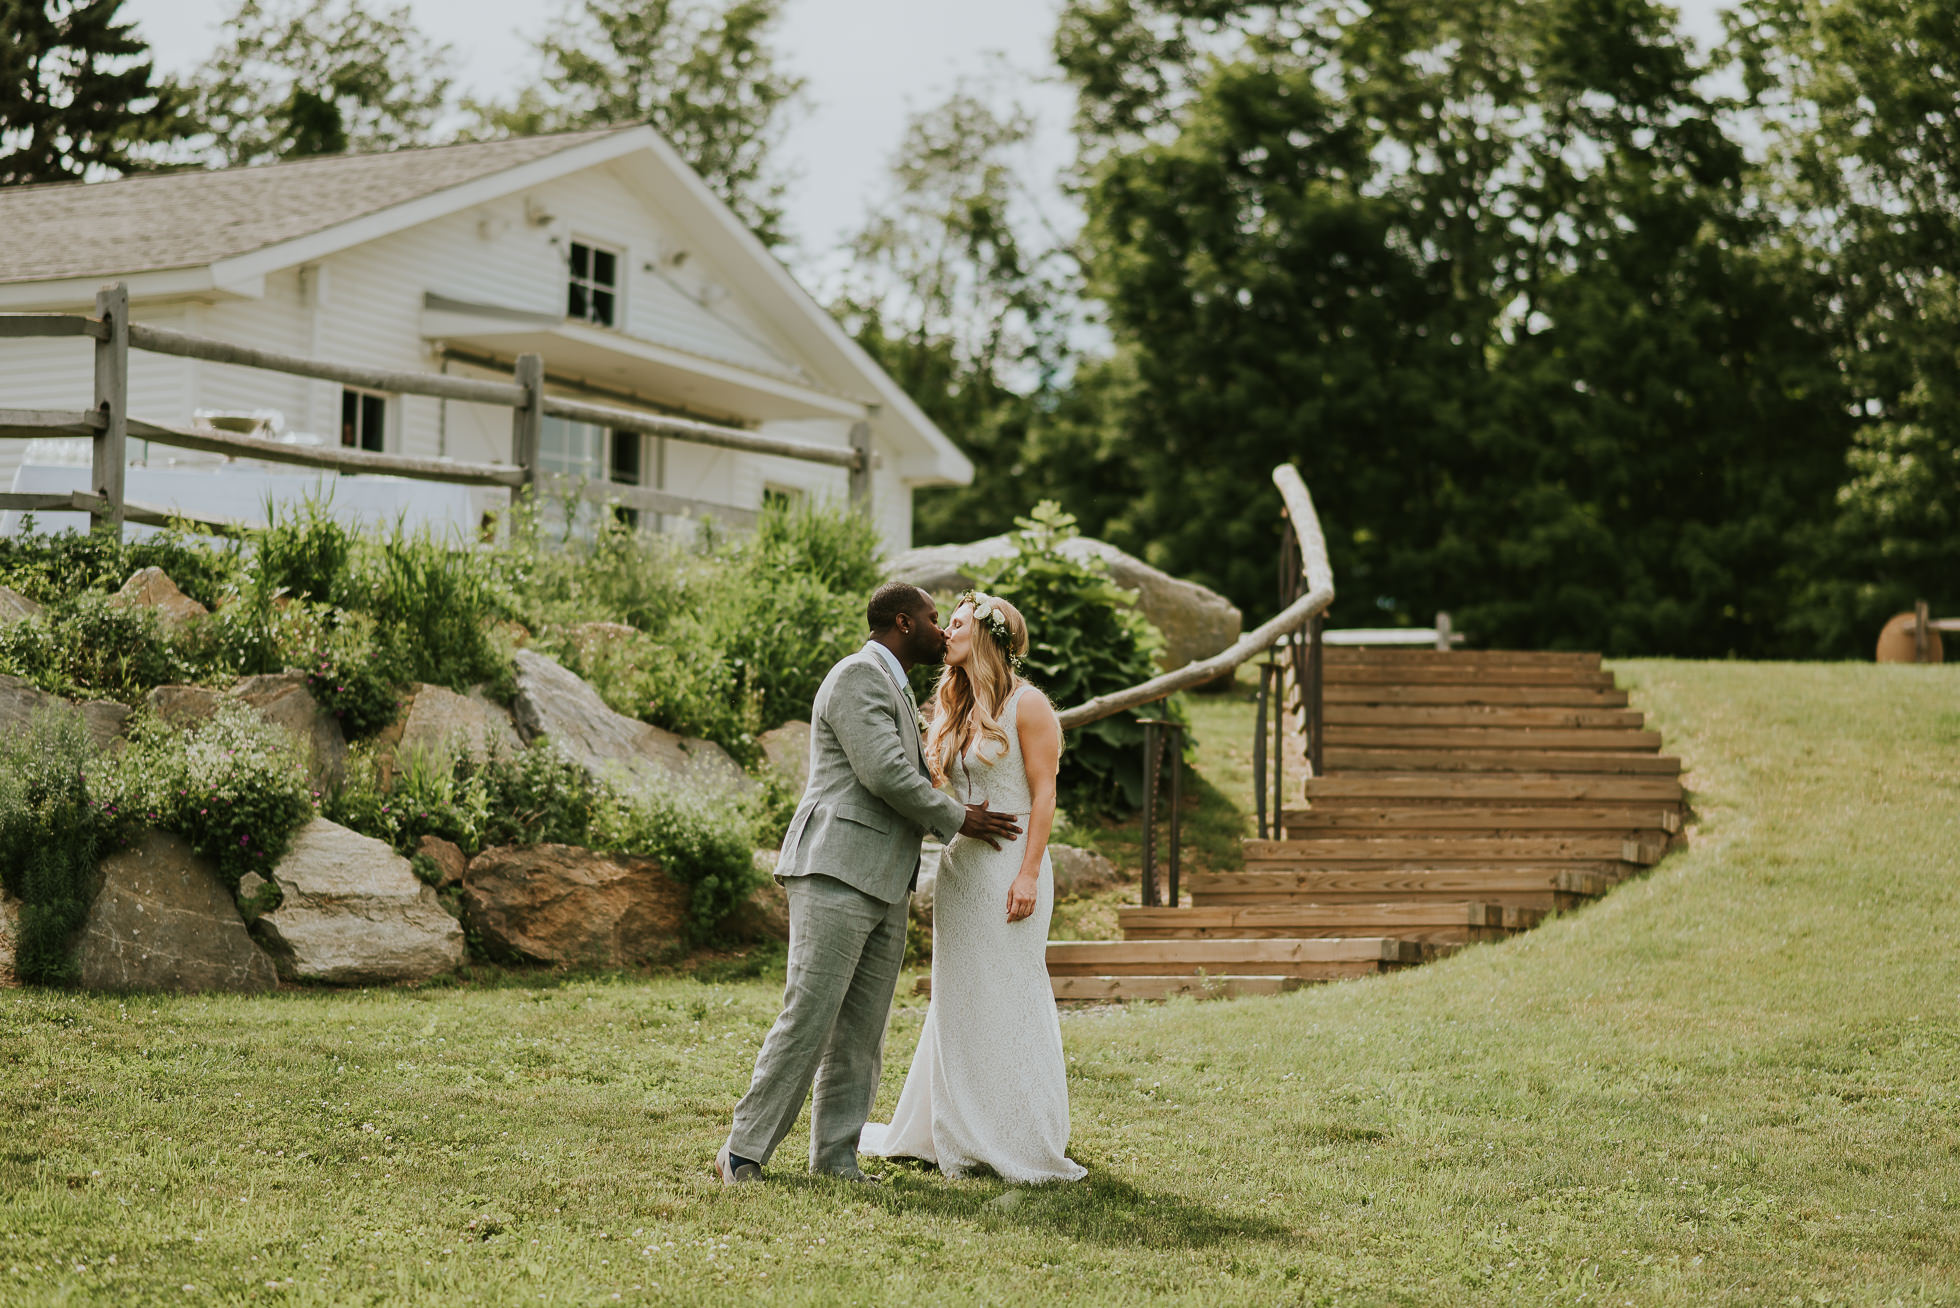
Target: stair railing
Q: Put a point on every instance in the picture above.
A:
(1306, 590)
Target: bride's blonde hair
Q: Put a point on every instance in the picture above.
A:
(969, 698)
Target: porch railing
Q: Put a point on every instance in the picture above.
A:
(109, 426)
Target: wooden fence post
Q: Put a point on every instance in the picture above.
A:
(109, 458)
(861, 470)
(1922, 632)
(527, 420)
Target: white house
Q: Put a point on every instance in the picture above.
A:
(602, 251)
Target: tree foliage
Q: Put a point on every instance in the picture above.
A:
(296, 78)
(702, 73)
(78, 98)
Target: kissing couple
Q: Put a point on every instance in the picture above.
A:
(987, 1087)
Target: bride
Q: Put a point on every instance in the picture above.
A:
(988, 1086)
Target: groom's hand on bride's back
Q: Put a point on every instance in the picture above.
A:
(990, 827)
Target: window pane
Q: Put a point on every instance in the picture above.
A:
(581, 260)
(603, 262)
(602, 308)
(575, 308)
(626, 457)
(374, 422)
(350, 417)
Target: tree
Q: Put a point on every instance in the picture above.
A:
(296, 78)
(1488, 273)
(704, 76)
(77, 95)
(1863, 104)
(956, 289)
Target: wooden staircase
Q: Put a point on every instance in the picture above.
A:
(1467, 795)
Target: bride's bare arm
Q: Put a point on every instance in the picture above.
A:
(1041, 754)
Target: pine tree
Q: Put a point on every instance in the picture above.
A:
(77, 95)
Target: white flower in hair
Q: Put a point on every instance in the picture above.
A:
(983, 609)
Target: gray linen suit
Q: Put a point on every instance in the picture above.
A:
(848, 865)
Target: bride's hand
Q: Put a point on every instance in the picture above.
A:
(1020, 897)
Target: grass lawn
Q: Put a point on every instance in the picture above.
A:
(1735, 1080)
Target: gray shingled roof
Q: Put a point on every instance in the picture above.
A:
(187, 220)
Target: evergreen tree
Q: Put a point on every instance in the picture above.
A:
(77, 95)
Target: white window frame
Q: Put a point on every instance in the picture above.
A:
(387, 418)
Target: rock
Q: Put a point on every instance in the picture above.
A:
(1196, 623)
(152, 588)
(282, 698)
(786, 752)
(562, 904)
(554, 703)
(20, 704)
(353, 912)
(182, 706)
(163, 921)
(16, 607)
(764, 915)
(256, 897)
(9, 938)
(449, 860)
(1079, 871)
(1898, 642)
(439, 720)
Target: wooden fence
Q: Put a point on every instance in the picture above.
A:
(109, 426)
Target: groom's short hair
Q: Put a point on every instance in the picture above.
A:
(892, 599)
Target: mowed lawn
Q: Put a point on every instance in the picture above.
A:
(1735, 1080)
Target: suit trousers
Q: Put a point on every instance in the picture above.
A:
(845, 952)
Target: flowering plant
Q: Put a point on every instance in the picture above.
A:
(987, 612)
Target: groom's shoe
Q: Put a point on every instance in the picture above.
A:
(735, 1170)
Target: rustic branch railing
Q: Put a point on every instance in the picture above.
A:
(109, 427)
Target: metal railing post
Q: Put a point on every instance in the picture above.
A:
(1266, 671)
(109, 451)
(1148, 880)
(527, 420)
(861, 470)
(1176, 734)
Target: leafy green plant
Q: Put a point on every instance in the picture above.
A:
(50, 568)
(233, 786)
(529, 796)
(435, 603)
(705, 841)
(353, 676)
(52, 832)
(1085, 638)
(87, 646)
(304, 551)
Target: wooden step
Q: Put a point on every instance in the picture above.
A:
(1425, 922)
(1528, 696)
(1318, 960)
(1546, 887)
(1338, 759)
(1531, 675)
(1620, 739)
(1355, 851)
(1369, 788)
(1314, 823)
(1480, 715)
(1362, 655)
(1109, 989)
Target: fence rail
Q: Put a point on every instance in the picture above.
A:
(109, 426)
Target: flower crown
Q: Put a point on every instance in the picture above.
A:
(987, 612)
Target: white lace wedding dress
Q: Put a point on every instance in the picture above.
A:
(988, 1086)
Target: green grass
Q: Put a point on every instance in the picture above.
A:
(1736, 1080)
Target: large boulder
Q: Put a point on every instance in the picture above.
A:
(16, 607)
(152, 588)
(9, 938)
(438, 720)
(565, 905)
(21, 703)
(447, 859)
(764, 915)
(786, 752)
(283, 699)
(163, 921)
(554, 703)
(1196, 623)
(1080, 871)
(353, 912)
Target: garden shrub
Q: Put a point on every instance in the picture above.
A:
(52, 833)
(50, 568)
(86, 647)
(705, 841)
(233, 786)
(353, 676)
(1084, 639)
(304, 551)
(529, 796)
(436, 604)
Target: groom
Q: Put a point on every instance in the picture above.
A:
(849, 863)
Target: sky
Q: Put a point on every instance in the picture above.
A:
(869, 64)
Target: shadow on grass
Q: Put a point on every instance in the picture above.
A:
(1102, 1209)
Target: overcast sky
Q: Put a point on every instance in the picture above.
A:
(869, 63)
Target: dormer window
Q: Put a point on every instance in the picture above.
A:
(593, 295)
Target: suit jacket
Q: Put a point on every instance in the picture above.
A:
(870, 799)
